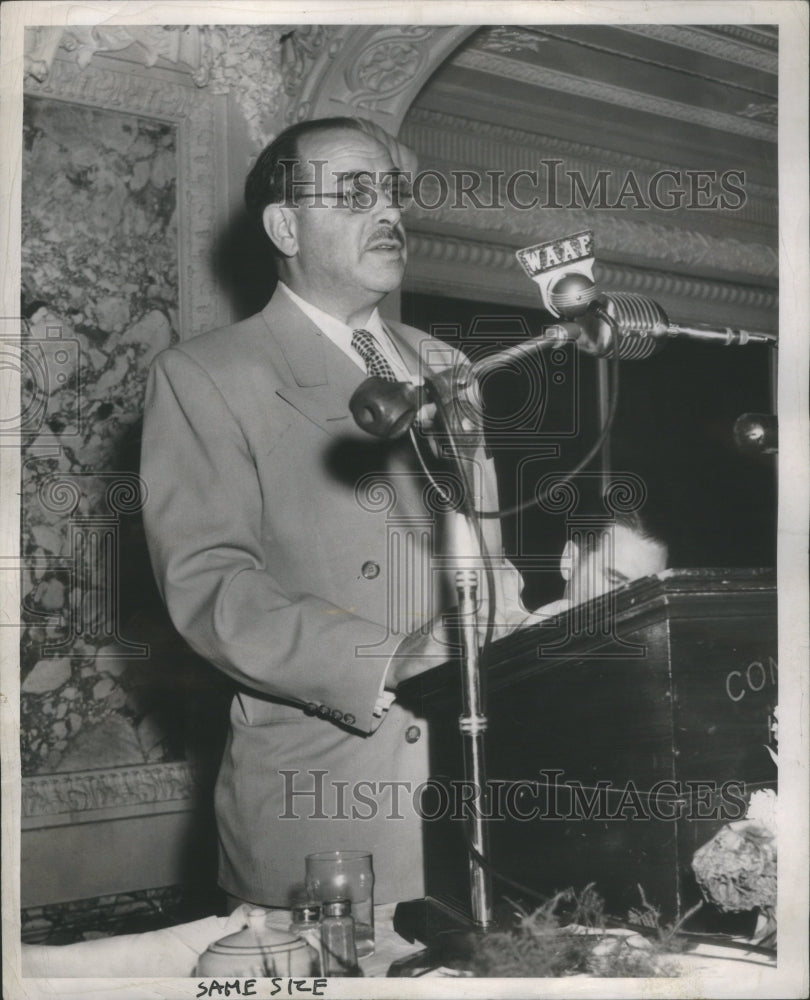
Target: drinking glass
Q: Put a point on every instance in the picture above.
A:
(349, 875)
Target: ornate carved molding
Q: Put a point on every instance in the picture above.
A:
(749, 33)
(388, 64)
(748, 52)
(767, 111)
(51, 796)
(231, 59)
(300, 47)
(621, 277)
(486, 271)
(541, 76)
(197, 114)
(439, 137)
(745, 52)
(656, 244)
(148, 43)
(372, 71)
(244, 61)
(507, 39)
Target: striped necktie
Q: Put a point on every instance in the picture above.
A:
(366, 345)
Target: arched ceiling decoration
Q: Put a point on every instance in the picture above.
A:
(374, 71)
(615, 106)
(627, 105)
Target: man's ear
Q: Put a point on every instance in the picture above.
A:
(281, 226)
(569, 554)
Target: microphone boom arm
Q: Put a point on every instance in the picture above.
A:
(723, 335)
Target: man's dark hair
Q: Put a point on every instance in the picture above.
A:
(270, 180)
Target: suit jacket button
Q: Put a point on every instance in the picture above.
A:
(336, 715)
(310, 708)
(349, 719)
(370, 570)
(412, 734)
(323, 711)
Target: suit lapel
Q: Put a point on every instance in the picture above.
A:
(323, 378)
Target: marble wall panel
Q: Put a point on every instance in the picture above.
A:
(100, 294)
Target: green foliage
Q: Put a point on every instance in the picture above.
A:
(542, 946)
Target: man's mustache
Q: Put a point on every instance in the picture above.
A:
(384, 235)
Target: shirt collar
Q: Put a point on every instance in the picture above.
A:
(341, 336)
(336, 330)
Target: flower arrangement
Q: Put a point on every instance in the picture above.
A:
(736, 869)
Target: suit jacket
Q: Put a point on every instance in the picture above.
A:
(294, 552)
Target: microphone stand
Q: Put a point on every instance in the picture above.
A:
(387, 410)
(472, 725)
(467, 554)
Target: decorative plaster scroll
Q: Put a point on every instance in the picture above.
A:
(747, 53)
(299, 50)
(39, 50)
(597, 90)
(506, 39)
(241, 60)
(387, 65)
(176, 44)
(200, 195)
(373, 71)
(113, 788)
(117, 90)
(244, 61)
(439, 137)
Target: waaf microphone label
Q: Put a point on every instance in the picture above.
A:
(547, 256)
(547, 263)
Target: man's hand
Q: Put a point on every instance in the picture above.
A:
(441, 639)
(423, 650)
(439, 642)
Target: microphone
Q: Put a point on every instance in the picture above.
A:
(602, 325)
(757, 433)
(636, 327)
(625, 323)
(388, 409)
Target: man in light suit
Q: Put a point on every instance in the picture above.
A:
(293, 551)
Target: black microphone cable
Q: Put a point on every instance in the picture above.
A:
(589, 456)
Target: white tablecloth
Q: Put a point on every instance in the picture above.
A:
(174, 951)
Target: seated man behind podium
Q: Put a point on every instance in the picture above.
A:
(601, 560)
(598, 560)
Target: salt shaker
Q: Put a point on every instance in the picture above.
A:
(339, 952)
(306, 924)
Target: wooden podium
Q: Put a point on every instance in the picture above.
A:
(621, 736)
